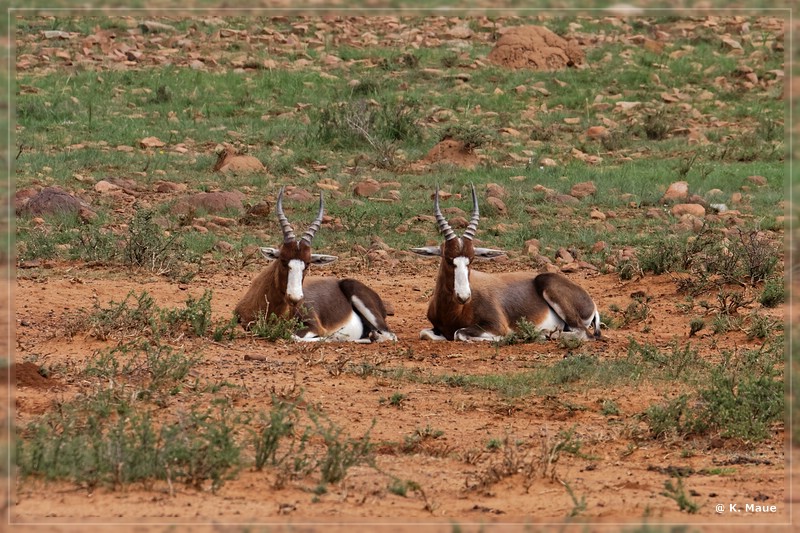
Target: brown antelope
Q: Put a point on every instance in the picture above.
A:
(468, 305)
(330, 308)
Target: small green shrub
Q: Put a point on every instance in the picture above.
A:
(773, 294)
(341, 452)
(277, 427)
(273, 327)
(525, 332)
(470, 135)
(147, 246)
(677, 492)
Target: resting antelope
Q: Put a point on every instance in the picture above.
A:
(330, 308)
(469, 306)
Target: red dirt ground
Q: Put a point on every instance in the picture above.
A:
(621, 482)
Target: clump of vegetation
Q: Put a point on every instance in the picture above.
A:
(272, 327)
(359, 122)
(148, 246)
(341, 452)
(472, 136)
(677, 492)
(773, 294)
(744, 397)
(525, 332)
(139, 315)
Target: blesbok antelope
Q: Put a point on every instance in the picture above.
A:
(468, 305)
(330, 308)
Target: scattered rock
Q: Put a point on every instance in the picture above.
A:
(676, 191)
(52, 200)
(758, 181)
(497, 203)
(221, 221)
(496, 191)
(599, 246)
(597, 215)
(451, 151)
(210, 202)
(366, 188)
(458, 222)
(655, 212)
(596, 132)
(564, 256)
(695, 210)
(223, 246)
(229, 160)
(532, 246)
(155, 27)
(328, 184)
(151, 142)
(535, 47)
(564, 199)
(86, 215)
(104, 186)
(168, 186)
(583, 189)
(22, 196)
(547, 162)
(737, 198)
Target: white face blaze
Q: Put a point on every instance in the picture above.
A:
(461, 288)
(294, 285)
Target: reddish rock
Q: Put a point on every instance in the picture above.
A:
(497, 203)
(210, 202)
(759, 181)
(564, 256)
(583, 189)
(366, 188)
(168, 186)
(104, 186)
(597, 215)
(676, 191)
(696, 210)
(52, 200)
(229, 160)
(596, 132)
(496, 191)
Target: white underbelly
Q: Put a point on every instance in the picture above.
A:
(551, 323)
(350, 330)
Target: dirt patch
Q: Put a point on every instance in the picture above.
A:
(453, 152)
(455, 469)
(29, 375)
(535, 47)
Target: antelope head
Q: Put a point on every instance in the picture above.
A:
(457, 253)
(293, 256)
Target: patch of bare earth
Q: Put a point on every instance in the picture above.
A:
(621, 479)
(535, 47)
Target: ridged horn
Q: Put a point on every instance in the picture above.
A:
(444, 226)
(312, 229)
(288, 232)
(469, 233)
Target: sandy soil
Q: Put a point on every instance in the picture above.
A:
(621, 481)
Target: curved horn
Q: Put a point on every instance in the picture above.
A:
(312, 229)
(469, 233)
(288, 232)
(444, 226)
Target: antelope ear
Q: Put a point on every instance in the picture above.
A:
(321, 259)
(428, 251)
(488, 253)
(269, 253)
